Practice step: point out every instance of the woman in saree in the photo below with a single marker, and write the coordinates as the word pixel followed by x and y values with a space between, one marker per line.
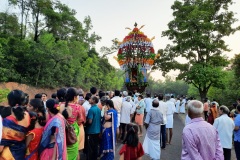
pixel 72 113
pixel 213 113
pixel 107 148
pixel 53 143
pixel 14 130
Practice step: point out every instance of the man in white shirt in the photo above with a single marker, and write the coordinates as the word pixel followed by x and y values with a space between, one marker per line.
pixel 170 112
pixel 225 127
pixel 148 103
pixel 117 102
pixel 86 105
pixel 173 99
pixel 126 115
pixel 163 109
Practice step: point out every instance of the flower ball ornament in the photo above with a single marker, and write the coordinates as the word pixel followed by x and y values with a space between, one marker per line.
pixel 136 49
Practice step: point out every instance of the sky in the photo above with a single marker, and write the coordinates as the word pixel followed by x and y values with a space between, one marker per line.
pixel 111 17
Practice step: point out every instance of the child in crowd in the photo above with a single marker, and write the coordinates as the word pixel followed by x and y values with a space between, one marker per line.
pixel 132 148
pixel 33 138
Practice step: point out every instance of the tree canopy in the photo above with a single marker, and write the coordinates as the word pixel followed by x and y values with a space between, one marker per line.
pixel 197 33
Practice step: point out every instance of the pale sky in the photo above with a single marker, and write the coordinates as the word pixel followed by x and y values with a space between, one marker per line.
pixel 110 17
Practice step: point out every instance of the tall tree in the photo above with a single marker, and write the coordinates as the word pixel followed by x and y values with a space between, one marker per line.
pixel 197 33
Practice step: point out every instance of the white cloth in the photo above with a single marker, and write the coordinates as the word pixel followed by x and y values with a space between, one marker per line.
pixel 117 102
pixel 169 121
pixel 152 148
pixel 182 107
pixel 119 118
pixel 224 126
pixel 163 109
pixel 86 105
pixel 171 107
pixel 126 112
pixel 148 102
pixel 173 100
pixel 177 106
pixel 187 119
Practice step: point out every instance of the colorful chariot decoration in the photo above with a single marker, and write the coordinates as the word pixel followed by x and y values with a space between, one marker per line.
pixel 135 56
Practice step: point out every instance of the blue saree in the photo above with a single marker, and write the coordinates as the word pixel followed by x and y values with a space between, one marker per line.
pixel 107 148
pixel 13 139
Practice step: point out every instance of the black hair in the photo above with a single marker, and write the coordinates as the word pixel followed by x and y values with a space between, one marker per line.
pixel 5 111
pixel 54 95
pixel 61 94
pixel 130 93
pixel 16 99
pixel 103 100
pixel 50 104
pixel 131 138
pixel 141 96
pixel 101 94
pixel 71 93
pixel 37 117
pixel 155 103
pixel 148 95
pixel 44 94
pixel 38 95
pixel 95 99
pixel 116 93
pixel 37 104
pixel 93 90
pixel 88 96
pixel 235 105
pixel 224 109
pixel 110 103
pixel 160 96
pixel 238 108
pixel 26 99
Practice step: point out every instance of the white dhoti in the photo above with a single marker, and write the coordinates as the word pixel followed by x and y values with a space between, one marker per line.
pixel 169 121
pixel 182 108
pixel 152 148
pixel 119 116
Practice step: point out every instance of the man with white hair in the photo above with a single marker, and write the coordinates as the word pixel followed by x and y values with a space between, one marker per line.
pixel 225 127
pixel 126 115
pixel 200 139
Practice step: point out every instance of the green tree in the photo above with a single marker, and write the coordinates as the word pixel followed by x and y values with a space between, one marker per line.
pixel 197 33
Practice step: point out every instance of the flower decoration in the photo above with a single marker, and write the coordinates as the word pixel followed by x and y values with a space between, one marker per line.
pixel 136 48
pixel 57 106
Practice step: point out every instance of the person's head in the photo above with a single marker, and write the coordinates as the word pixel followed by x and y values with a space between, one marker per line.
pixel 238 109
pixel 54 95
pixel 140 97
pixel 128 98
pixel 168 98
pixel 160 97
pixel 172 96
pixel 130 93
pixel 155 103
pixel 16 100
pixel 44 97
pixel 109 104
pixel 39 95
pixel 125 93
pixel 213 104
pixel 195 109
pixel 52 106
pixel 61 94
pixel 35 117
pixel 94 100
pixel 131 138
pixel 93 90
pixel 206 100
pixel 234 105
pixel 116 93
pixel 35 105
pixel 103 100
pixel 232 113
pixel 148 95
pixel 81 99
pixel 88 96
pixel 223 110
pixel 101 94
pixel 71 96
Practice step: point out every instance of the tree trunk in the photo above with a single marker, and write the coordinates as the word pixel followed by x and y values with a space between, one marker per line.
pixel 203 93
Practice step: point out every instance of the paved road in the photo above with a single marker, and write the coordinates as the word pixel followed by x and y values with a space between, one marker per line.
pixel 173 151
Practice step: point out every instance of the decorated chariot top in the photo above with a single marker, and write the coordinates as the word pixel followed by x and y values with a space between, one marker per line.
pixel 136 49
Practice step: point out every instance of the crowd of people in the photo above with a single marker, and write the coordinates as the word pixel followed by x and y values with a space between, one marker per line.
pixel 73 122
